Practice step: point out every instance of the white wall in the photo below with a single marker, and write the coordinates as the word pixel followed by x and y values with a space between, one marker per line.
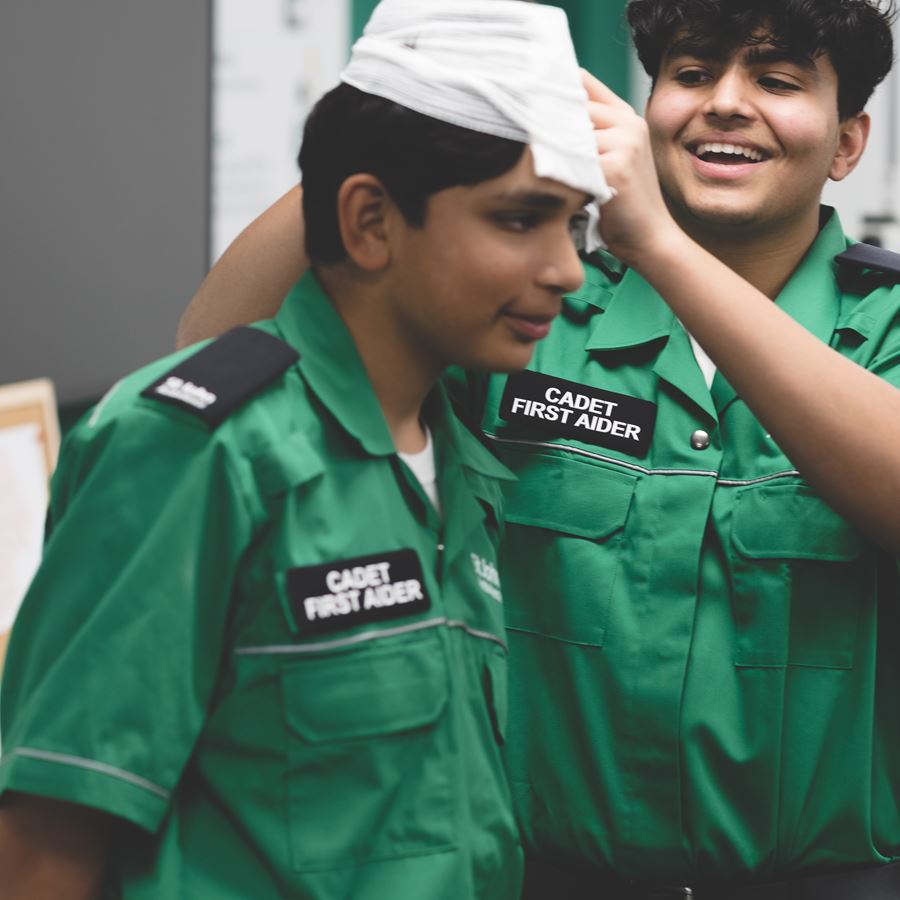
pixel 873 188
pixel 103 196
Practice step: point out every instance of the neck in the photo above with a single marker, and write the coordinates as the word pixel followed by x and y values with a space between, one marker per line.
pixel 766 258
pixel 400 376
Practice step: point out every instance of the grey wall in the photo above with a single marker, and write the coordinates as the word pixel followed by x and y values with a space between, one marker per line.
pixel 103 184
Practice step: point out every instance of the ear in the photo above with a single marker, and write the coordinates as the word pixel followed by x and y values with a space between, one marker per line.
pixel 364 207
pixel 853 137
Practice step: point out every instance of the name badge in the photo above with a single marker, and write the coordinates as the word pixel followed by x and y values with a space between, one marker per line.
pixel 572 410
pixel 350 592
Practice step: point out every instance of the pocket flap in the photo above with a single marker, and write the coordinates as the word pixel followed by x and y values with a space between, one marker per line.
pixel 569 496
pixel 790 522
pixel 366 692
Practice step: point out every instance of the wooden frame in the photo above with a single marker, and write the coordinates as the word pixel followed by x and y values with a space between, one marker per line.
pixel 31 403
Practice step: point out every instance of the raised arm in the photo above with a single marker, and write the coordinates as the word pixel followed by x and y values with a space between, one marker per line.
pixel 837 422
pixel 51 850
pixel 252 277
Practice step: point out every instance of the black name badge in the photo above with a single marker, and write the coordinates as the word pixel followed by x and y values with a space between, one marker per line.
pixel 572 410
pixel 351 592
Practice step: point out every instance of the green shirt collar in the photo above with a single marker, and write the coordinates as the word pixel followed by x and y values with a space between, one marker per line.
pixel 812 296
pixel 331 364
pixel 463 445
pixel 332 367
pixel 636 314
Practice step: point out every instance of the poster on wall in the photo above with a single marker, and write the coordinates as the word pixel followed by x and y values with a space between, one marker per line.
pixel 29 444
pixel 272 59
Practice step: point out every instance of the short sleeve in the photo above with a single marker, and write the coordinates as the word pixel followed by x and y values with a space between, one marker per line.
pixel 868 330
pixel 114 655
pixel 887 363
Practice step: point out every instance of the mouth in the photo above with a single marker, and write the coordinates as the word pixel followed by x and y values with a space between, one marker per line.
pixel 726 154
pixel 529 328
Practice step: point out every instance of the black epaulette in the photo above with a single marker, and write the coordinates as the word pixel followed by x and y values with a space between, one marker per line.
pixel 865 257
pixel 226 373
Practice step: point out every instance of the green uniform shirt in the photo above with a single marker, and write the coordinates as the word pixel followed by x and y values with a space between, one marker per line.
pixel 192 656
pixel 704 673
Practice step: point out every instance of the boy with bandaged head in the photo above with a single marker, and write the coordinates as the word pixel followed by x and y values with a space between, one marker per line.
pixel 265 655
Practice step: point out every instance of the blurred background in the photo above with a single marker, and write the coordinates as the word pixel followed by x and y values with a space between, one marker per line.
pixel 139 138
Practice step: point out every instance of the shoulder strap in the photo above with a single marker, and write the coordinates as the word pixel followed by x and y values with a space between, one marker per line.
pixel 865 256
pixel 224 374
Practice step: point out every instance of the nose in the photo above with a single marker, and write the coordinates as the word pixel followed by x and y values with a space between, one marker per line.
pixel 561 271
pixel 729 97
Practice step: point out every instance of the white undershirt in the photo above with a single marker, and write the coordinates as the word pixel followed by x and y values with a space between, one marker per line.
pixel 707 366
pixel 422 466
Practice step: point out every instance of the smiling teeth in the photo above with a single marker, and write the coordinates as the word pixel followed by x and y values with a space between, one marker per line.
pixel 734 149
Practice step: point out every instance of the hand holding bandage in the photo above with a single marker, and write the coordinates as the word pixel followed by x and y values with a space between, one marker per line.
pixel 637 215
pixel 502 68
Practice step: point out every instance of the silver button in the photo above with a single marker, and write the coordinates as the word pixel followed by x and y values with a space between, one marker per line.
pixel 699 440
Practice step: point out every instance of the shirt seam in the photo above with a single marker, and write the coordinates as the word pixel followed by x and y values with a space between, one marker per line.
pixel 365 637
pixel 634 467
pixel 92 765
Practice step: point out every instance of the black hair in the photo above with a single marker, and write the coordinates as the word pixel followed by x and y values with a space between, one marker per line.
pixel 855 35
pixel 413 155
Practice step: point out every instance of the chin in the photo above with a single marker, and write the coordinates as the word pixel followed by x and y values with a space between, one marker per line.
pixel 722 215
pixel 502 363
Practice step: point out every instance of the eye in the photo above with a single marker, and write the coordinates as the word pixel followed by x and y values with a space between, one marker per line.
pixel 771 83
pixel 578 226
pixel 580 219
pixel 518 221
pixel 691 77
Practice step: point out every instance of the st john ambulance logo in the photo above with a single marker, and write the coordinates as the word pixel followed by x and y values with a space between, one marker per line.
pixel 488 577
pixel 588 414
pixel 186 392
pixel 350 592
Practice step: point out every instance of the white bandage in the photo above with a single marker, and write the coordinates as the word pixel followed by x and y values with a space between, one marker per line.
pixel 501 67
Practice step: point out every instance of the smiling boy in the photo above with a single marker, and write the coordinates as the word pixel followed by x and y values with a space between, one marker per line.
pixel 703 623
pixel 264 653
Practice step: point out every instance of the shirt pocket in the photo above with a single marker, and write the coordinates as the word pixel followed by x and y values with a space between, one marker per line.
pixel 369 754
pixel 565 523
pixel 801 579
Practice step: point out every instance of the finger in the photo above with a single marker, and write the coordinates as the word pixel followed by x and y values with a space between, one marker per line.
pixel 604 116
pixel 600 93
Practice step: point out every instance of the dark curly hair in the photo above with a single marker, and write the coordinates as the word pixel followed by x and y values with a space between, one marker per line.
pixel 854 34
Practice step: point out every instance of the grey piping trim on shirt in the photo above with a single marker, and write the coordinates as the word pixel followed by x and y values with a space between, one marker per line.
pixel 92 764
pixel 481 635
pixel 731 482
pixel 98 409
pixel 725 482
pixel 365 636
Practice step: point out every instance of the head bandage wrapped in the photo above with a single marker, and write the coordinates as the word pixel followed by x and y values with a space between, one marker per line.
pixel 501 67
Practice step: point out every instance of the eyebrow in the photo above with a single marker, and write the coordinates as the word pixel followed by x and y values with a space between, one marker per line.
pixel 756 55
pixel 537 199
pixel 532 199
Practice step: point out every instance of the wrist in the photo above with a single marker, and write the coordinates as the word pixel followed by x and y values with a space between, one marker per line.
pixel 660 251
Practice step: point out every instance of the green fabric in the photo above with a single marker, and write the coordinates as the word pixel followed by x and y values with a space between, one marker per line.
pixel 601 39
pixel 361 12
pixel 740 724
pixel 157 671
